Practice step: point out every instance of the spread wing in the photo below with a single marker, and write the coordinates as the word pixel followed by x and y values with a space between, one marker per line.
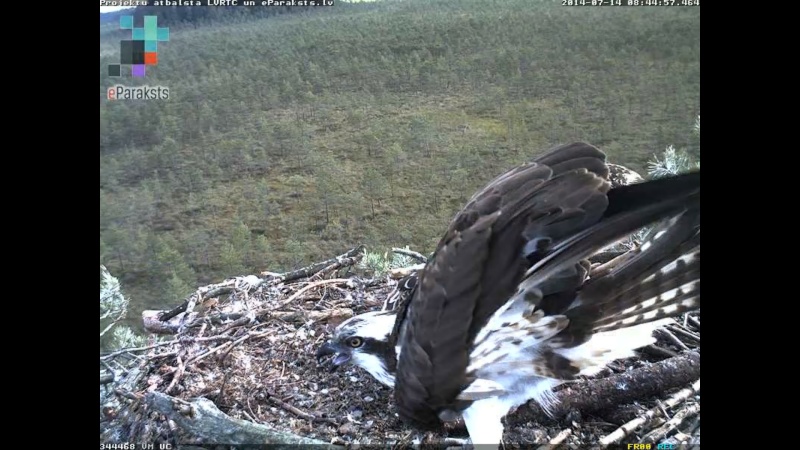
pixel 535 222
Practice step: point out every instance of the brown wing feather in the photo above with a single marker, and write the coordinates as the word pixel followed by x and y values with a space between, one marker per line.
pixel 537 222
pixel 478 265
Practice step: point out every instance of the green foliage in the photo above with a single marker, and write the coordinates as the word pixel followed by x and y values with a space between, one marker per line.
pixel 125 337
pixel 176 289
pixel 368 123
pixel 378 264
pixel 113 308
pixel 672 161
pixel 113 304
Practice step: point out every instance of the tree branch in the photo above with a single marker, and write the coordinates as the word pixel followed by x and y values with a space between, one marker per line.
pixel 207 425
pixel 595 395
pixel 418 256
pixel 252 282
pixel 352 256
pixel 629 427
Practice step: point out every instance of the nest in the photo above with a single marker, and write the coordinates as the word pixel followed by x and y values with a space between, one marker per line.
pixel 241 369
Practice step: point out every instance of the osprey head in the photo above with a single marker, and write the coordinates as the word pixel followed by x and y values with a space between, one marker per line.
pixel 364 340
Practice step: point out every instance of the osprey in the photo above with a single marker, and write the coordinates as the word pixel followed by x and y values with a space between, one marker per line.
pixel 509 305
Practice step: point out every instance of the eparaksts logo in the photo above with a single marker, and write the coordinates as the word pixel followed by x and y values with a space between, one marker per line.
pixel 120 92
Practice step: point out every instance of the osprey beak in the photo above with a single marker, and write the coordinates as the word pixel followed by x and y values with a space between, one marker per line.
pixel 331 349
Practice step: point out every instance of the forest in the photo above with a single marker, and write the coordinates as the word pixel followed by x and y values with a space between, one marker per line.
pixel 294 135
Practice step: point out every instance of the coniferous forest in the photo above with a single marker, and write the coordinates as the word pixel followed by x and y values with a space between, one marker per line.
pixel 290 137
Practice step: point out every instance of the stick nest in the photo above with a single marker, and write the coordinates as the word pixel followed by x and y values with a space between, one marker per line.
pixel 248 346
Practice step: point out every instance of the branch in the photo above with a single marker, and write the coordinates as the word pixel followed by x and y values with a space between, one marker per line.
pixel 396 274
pixel 629 427
pixel 350 257
pixel 245 283
pixel 135 349
pixel 120 316
pixel 560 437
pixel 161 344
pixel 106 378
pixel 252 282
pixel 207 425
pixel 595 395
pixel 309 287
pixel 659 433
pixel 418 256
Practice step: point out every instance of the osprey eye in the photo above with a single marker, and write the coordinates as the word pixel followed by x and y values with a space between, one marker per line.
pixel 355 342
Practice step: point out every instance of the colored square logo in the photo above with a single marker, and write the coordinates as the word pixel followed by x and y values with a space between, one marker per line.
pixel 142 48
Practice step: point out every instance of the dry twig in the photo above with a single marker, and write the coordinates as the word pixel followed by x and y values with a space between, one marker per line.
pixel 629 427
pixel 557 440
pixel 177 376
pixel 396 274
pixel 416 255
pixel 677 329
pixel 662 431
pixel 353 255
pixel 671 337
pixel 309 287
pixel 272 398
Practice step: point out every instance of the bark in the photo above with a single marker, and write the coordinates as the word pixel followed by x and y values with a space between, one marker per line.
pixel 207 425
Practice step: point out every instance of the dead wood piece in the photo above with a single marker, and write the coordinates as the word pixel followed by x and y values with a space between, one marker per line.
pixel 218 319
pixel 153 322
pixel 396 274
pixel 244 283
pixel 106 378
pixel 272 398
pixel 352 256
pixel 250 334
pixel 135 349
pixel 177 376
pixel 344 262
pixel 416 255
pixel 126 394
pixel 594 395
pixel 631 426
pixel 658 351
pixel 677 329
pixel 560 437
pixel 207 425
pixel 251 282
pixel 309 287
pixel 672 338
pixel 301 316
pixel 662 431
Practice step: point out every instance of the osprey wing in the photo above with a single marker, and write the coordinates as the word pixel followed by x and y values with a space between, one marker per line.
pixel 479 263
pixel 520 243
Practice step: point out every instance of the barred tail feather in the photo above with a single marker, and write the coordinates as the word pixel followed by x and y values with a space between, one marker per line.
pixel 659 279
